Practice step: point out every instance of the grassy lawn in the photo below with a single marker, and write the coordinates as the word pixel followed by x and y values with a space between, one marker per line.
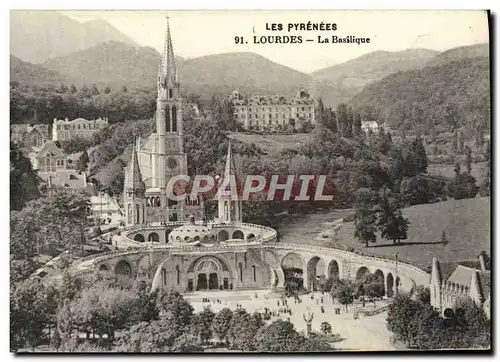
pixel 273 142
pixel 465 222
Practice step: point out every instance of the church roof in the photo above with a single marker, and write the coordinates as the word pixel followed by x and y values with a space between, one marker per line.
pixel 133 177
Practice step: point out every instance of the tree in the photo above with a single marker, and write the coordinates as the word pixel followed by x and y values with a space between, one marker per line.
pixel 124 89
pixel 242 331
pixel 281 336
pixel 62 88
pixel 107 90
pixel 93 90
pixel 221 324
pixel 205 319
pixel 415 190
pixel 460 143
pixel 72 89
pixel 365 216
pixel 23 180
pixel 344 291
pixel 326 328
pixel 342 120
pixel 454 143
pixel 83 162
pixel 463 187
pixel 391 223
pixel 473 322
pixel 468 159
pixel 423 294
pixel 357 126
pixel 173 303
pixel 28 314
pixel 400 317
pixel 484 189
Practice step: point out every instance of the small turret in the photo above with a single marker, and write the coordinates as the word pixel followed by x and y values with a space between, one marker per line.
pixel 435 284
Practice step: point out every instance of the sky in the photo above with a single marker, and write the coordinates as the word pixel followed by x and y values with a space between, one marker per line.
pixel 199 33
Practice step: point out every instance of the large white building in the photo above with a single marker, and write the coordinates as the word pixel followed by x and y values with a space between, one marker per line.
pixel 64 129
pixel 261 112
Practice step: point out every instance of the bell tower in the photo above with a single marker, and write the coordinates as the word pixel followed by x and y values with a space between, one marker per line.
pixel 168 157
pixel 229 203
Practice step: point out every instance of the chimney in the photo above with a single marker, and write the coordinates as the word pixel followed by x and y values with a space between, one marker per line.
pixel 482 263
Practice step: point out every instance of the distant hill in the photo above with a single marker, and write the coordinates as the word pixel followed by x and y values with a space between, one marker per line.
pixel 24 72
pixel 117 64
pixel 470 51
pixel 36 36
pixel 448 96
pixel 112 63
pixel 340 82
pixel 248 72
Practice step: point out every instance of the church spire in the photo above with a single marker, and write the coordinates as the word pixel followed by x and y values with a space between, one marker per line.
pixel 230 165
pixel 133 178
pixel 168 70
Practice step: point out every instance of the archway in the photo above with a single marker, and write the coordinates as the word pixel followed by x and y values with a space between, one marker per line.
pixel 202 282
pixel 378 278
pixel 250 236
pixel 213 281
pixel 398 285
pixel 390 285
pixel 293 270
pixel 315 273
pixel 123 267
pixel 167 234
pixel 333 270
pixel 103 268
pixel 448 313
pixel 154 237
pixel 223 235
pixel 362 273
pixel 238 235
pixel 139 238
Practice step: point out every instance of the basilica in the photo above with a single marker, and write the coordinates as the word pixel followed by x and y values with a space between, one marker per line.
pixel 160 157
pixel 186 252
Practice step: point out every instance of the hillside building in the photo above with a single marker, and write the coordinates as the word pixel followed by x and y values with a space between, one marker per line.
pixel 261 112
pixel 29 136
pixel 463 282
pixel 63 130
pixel 106 209
pixel 161 156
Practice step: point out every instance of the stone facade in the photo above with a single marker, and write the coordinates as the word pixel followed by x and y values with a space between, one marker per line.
pixel 63 130
pixel 263 112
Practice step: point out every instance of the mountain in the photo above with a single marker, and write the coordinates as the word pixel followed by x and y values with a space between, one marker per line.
pixel 470 51
pixel 247 72
pixel 443 97
pixel 112 63
pixel 24 72
pixel 117 64
pixel 36 36
pixel 340 82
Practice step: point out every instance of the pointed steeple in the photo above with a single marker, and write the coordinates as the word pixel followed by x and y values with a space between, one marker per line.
pixel 168 70
pixel 436 277
pixel 475 291
pixel 133 178
pixel 230 165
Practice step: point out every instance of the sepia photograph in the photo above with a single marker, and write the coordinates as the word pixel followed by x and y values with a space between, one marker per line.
pixel 250 181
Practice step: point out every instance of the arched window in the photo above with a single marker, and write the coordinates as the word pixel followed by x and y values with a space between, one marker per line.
pixel 240 267
pixel 167 118
pixel 178 274
pixel 254 273
pixel 137 214
pixel 164 276
pixel 174 118
pixel 158 202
